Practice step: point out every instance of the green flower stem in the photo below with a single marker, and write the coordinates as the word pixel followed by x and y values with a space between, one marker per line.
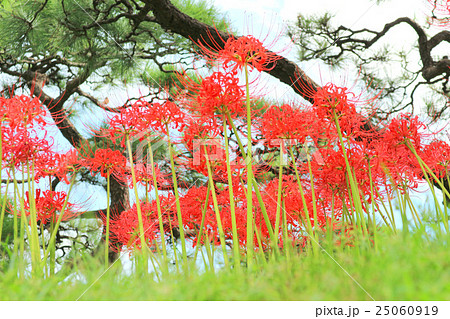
pixel 255 184
pixel 7 183
pixel 52 261
pixel 34 240
pixel 25 223
pixel 390 212
pixel 313 197
pixel 177 201
pixel 415 215
pixel 286 241
pixel 261 256
pixel 138 206
pixel 372 198
pixel 248 161
pixel 15 220
pixel 52 240
pixel 209 253
pixel 305 207
pixel 158 205
pixel 236 253
pixel 202 224
pixel 402 209
pixel 23 229
pixel 427 170
pixel 279 194
pixel 108 191
pixel 353 185
pixel 4 201
pixel 172 238
pixel 216 210
pixel 386 222
pixel 332 220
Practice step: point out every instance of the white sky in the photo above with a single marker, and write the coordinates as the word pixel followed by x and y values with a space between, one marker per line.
pixel 353 13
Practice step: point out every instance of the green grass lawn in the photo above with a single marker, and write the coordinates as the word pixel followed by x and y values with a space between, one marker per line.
pixel 404 267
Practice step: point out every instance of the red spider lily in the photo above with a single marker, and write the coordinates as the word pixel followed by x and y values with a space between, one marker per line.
pixel 107 162
pixel 333 101
pixel 396 159
pixel 124 229
pixel 21 111
pixel 129 122
pixel 330 174
pixel 437 157
pixel 49 204
pixel 69 163
pixel 287 122
pixel 331 98
pixel 403 129
pixel 144 176
pixel 199 135
pixel 21 148
pixel 142 117
pixel 168 114
pixel 219 93
pixel 46 164
pixel 245 50
pixel 192 205
pixel 199 132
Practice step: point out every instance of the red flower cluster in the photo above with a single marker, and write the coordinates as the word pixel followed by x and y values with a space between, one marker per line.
pixel 125 228
pixel 437 156
pixel 219 93
pixel 106 162
pixel 246 50
pixel 26 149
pixel 49 205
pixel 143 117
pixel 287 122
pixel 21 111
pixel 377 160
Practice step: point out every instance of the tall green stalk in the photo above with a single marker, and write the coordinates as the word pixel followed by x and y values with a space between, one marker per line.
pixel 202 224
pixel 286 241
pixel 15 216
pixel 372 199
pixel 310 230
pixel 354 195
pixel 158 205
pixel 177 201
pixel 216 210
pixel 3 209
pixel 52 240
pixel 236 253
pixel 6 192
pixel 138 206
pixel 426 170
pixel 34 239
pixel 313 197
pixel 108 191
pixel 262 206
pixel 248 161
pixel 279 194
